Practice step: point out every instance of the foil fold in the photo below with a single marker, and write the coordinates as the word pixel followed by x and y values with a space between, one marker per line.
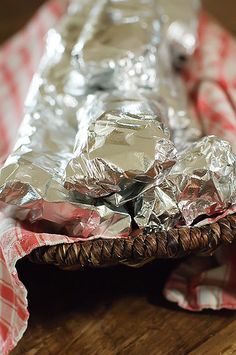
pixel 31 181
pixel 118 46
pixel 121 141
pixel 201 184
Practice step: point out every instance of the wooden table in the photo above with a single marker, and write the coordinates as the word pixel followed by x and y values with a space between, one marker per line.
pixel 117 310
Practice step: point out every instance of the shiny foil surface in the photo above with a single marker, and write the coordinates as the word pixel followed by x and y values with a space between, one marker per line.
pixel 32 178
pixel 180 24
pixel 120 142
pixel 201 183
pixel 118 46
pixel 108 142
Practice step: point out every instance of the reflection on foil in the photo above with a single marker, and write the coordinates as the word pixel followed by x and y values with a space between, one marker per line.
pixel 31 181
pixel 120 141
pixel 118 46
pixel 180 22
pixel 205 178
pixel 201 183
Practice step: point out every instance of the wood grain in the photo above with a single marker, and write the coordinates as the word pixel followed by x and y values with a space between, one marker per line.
pixel 110 311
pixel 224 342
pixel 118 311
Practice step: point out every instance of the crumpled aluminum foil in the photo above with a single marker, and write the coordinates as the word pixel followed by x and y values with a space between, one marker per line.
pixel 120 142
pixel 107 58
pixel 132 154
pixel 204 178
pixel 31 182
pixel 118 46
pixel 202 183
pixel 182 121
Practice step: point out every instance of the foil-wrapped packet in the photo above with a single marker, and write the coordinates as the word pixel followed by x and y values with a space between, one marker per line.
pixel 93 163
pixel 121 141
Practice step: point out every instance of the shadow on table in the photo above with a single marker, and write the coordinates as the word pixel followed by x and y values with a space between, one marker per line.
pixel 52 291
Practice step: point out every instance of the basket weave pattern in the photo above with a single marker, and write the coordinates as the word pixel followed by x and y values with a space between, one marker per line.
pixel 174 243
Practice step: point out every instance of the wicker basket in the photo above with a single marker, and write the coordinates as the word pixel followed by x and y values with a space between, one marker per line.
pixel 140 249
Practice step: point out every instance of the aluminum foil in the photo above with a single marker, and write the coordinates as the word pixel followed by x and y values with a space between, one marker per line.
pixel 130 154
pixel 204 178
pixel 180 23
pixel 125 46
pixel 118 47
pixel 201 184
pixel 182 120
pixel 120 142
pixel 97 170
pixel 31 185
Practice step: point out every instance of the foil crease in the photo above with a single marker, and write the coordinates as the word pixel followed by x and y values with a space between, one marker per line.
pixel 201 184
pixel 204 178
pixel 107 57
pixel 31 182
pixel 120 142
pixel 182 120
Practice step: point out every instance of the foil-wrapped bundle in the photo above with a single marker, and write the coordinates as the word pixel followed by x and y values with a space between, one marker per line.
pixel 31 183
pixel 120 142
pixel 94 163
pixel 125 46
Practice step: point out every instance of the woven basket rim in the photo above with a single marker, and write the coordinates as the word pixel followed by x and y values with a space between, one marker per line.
pixel 175 243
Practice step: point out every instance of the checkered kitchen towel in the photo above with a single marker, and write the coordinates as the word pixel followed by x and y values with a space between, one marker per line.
pixel 211 79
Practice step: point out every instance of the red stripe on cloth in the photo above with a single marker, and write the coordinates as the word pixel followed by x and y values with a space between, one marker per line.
pixel 28 241
pixel 6 292
pixel 4 331
pixel 213 116
pixel 203 21
pixel 223 54
pixel 18 237
pixel 22 313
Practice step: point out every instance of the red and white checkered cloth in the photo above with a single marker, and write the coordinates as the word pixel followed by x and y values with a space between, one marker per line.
pixel 211 79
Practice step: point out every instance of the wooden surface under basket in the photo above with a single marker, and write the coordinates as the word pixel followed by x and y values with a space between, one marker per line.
pixel 174 243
